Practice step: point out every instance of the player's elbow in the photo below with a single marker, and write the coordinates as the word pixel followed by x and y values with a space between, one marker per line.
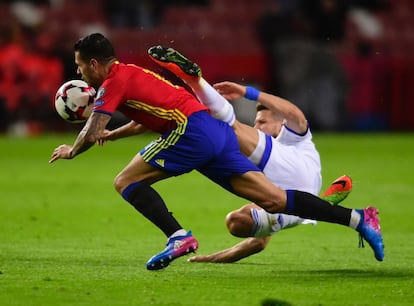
pixel 258 244
pixel 91 139
pixel 88 136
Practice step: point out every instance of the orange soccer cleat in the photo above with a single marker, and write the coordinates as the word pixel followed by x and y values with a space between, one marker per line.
pixel 175 62
pixel 339 190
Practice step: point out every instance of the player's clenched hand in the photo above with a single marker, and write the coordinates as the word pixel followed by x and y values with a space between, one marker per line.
pixel 61 152
pixel 106 135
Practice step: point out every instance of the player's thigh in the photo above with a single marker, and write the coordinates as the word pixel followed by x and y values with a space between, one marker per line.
pixel 138 171
pixel 254 186
pixel 247 136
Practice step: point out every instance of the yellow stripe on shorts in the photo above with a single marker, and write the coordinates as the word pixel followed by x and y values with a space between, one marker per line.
pixel 166 114
pixel 165 143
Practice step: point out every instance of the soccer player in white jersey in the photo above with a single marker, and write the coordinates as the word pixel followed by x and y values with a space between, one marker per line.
pixel 280 144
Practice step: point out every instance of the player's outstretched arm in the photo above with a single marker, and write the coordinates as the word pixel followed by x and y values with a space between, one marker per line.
pixel 91 132
pixel 294 117
pixel 129 129
pixel 239 251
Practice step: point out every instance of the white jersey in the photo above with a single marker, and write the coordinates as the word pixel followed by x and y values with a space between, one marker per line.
pixel 290 160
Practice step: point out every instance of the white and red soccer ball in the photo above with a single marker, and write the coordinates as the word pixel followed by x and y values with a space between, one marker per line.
pixel 74 101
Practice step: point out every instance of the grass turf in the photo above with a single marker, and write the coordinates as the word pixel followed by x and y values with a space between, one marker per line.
pixel 67 238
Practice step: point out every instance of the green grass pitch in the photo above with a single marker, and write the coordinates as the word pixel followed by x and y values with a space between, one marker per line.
pixel 67 238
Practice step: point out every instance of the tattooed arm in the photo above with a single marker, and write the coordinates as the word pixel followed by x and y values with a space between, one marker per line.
pixel 92 131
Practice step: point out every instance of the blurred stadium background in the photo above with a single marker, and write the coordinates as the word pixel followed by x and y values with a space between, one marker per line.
pixel 348 64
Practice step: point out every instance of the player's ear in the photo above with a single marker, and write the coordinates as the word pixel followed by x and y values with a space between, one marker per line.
pixel 94 63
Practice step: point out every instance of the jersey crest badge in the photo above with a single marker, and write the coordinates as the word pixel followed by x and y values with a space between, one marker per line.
pixel 100 93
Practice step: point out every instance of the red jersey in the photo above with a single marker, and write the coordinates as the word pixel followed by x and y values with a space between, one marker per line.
pixel 145 97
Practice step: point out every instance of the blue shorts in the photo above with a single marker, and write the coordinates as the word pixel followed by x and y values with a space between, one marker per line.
pixel 201 143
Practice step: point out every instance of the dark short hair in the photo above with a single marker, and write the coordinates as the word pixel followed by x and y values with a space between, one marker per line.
pixel 260 107
pixel 95 46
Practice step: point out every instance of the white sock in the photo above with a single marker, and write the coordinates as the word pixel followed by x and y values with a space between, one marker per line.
pixel 220 108
pixel 180 232
pixel 288 221
pixel 355 219
pixel 265 224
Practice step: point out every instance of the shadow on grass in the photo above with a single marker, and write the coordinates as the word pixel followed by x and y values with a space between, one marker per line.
pixel 368 272
pixel 362 273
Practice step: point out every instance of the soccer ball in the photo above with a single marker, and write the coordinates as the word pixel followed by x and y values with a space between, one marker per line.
pixel 74 101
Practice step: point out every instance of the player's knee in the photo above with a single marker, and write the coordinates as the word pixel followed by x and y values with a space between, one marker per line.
pixel 238 224
pixel 120 183
pixel 276 203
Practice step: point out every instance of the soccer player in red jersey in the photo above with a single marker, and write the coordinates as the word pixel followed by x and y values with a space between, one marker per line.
pixel 191 139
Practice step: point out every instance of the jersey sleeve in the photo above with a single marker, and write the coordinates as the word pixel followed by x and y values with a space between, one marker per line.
pixel 109 96
pixel 288 136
